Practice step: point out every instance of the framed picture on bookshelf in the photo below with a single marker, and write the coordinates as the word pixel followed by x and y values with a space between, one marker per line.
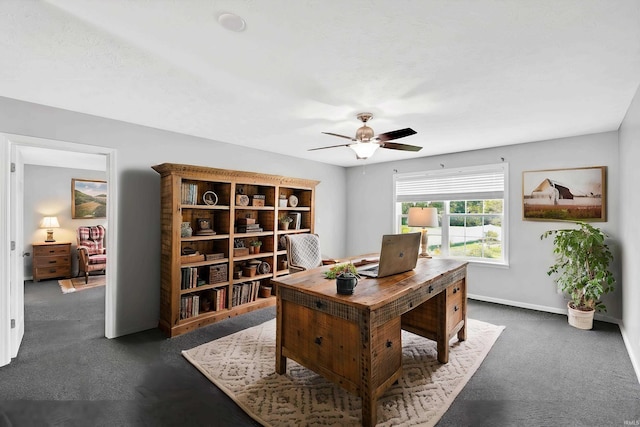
pixel 297 219
pixel 88 198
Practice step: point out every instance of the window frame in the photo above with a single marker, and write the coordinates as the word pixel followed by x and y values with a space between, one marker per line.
pixel 466 196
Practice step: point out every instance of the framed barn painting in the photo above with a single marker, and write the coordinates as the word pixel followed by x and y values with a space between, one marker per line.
pixel 88 199
pixel 577 194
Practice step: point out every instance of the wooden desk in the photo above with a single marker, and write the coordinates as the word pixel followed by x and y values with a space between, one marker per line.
pixel 355 340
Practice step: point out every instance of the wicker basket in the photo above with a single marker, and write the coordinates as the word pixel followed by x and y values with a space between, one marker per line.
pixel 218 273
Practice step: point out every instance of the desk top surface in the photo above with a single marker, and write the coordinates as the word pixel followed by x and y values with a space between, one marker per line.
pixel 371 292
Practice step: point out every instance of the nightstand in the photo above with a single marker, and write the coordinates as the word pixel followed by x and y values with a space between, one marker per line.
pixel 51 259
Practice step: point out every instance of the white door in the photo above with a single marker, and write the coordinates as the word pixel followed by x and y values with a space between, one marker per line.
pixel 17 253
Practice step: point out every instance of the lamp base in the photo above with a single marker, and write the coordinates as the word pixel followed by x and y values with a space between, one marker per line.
pixel 423 244
pixel 49 236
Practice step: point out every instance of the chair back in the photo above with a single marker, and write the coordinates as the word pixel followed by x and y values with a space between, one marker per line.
pixel 303 251
pixel 92 237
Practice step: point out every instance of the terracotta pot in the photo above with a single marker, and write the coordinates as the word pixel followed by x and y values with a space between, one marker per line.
pixel 580 319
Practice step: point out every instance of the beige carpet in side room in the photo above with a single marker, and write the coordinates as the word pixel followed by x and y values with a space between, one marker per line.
pixel 243 366
pixel 77 284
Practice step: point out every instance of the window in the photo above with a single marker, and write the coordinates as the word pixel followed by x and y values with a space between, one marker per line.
pixel 471 204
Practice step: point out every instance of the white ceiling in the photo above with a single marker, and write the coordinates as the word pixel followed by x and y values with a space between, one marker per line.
pixel 463 74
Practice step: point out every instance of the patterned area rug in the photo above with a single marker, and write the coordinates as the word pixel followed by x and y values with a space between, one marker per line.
pixel 76 284
pixel 243 366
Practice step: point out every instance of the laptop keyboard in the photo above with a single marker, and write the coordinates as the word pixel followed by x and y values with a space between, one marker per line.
pixel 373 269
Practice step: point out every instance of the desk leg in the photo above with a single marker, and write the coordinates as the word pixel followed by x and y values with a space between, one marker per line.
pixel 369 401
pixel 442 334
pixel 281 362
pixel 462 333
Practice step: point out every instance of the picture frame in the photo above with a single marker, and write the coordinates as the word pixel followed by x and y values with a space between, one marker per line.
pixel 574 194
pixel 88 198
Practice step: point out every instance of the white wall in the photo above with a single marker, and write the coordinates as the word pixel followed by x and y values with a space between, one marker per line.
pixel 48 193
pixel 139 148
pixel 630 228
pixel 525 283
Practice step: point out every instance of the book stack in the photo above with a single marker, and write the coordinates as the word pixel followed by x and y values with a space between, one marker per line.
pixel 189 306
pixel 219 299
pixel 247 225
pixel 189 194
pixel 190 278
pixel 245 292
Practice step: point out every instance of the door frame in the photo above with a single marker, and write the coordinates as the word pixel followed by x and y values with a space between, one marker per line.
pixel 9 142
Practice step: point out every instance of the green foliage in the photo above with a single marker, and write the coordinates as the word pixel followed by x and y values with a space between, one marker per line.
pixel 582 265
pixel 341 268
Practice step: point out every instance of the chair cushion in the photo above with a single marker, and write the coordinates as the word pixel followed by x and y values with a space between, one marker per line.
pixel 97 259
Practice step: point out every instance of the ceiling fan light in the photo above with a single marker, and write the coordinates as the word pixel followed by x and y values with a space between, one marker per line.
pixel 365 133
pixel 364 150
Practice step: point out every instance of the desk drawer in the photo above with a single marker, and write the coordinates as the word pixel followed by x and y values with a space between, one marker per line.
pixel 322 342
pixel 455 294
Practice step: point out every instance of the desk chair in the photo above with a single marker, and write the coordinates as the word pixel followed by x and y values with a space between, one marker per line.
pixel 303 252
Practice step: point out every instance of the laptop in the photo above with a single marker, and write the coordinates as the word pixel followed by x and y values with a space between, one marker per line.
pixel 399 253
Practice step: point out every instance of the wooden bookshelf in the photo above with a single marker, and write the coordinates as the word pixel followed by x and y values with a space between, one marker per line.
pixel 198 270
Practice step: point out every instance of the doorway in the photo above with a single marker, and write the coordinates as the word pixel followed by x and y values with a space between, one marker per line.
pixel 23 150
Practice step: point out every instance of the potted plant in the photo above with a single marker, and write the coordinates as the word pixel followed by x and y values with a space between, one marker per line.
pixel 284 221
pixel 582 270
pixel 254 246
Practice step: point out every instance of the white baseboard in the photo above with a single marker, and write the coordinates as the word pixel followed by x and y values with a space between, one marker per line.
pixel 536 307
pixel 635 360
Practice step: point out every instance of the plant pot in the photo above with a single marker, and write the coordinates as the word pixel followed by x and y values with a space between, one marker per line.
pixel 580 319
pixel 284 225
pixel 265 291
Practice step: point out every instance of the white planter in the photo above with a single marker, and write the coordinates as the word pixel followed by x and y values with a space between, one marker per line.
pixel 580 319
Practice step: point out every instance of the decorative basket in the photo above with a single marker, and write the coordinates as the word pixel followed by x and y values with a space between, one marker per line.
pixel 218 273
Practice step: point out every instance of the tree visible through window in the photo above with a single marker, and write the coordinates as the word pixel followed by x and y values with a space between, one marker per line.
pixel 471 228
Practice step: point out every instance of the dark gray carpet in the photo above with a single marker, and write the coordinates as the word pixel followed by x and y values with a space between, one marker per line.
pixel 541 372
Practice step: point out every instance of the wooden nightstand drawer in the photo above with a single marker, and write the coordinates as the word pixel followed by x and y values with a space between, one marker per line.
pixel 51 260
pixel 51 250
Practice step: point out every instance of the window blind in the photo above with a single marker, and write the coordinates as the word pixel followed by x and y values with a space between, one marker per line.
pixel 475 183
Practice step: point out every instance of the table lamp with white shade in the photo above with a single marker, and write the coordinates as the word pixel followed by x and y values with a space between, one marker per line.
pixel 49 222
pixel 423 217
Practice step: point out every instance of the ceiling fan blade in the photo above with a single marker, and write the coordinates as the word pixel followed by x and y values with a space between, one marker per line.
pixel 397 146
pixel 331 146
pixel 395 134
pixel 340 136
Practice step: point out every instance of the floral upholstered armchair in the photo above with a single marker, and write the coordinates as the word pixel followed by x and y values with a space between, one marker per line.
pixel 92 255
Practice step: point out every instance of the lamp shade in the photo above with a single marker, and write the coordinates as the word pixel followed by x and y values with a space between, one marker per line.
pixel 364 150
pixel 49 222
pixel 423 217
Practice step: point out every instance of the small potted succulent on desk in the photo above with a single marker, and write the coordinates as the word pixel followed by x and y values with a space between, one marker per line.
pixel 284 221
pixel 346 276
pixel 582 270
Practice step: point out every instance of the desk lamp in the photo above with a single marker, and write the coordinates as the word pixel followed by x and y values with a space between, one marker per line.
pixel 423 217
pixel 49 222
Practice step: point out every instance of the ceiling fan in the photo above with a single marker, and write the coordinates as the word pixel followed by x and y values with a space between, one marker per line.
pixel 365 143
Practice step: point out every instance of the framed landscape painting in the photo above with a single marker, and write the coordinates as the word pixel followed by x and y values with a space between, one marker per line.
pixel 577 194
pixel 88 199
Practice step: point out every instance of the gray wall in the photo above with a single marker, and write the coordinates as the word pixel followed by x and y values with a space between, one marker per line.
pixel 139 148
pixel 630 227
pixel 525 283
pixel 48 192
